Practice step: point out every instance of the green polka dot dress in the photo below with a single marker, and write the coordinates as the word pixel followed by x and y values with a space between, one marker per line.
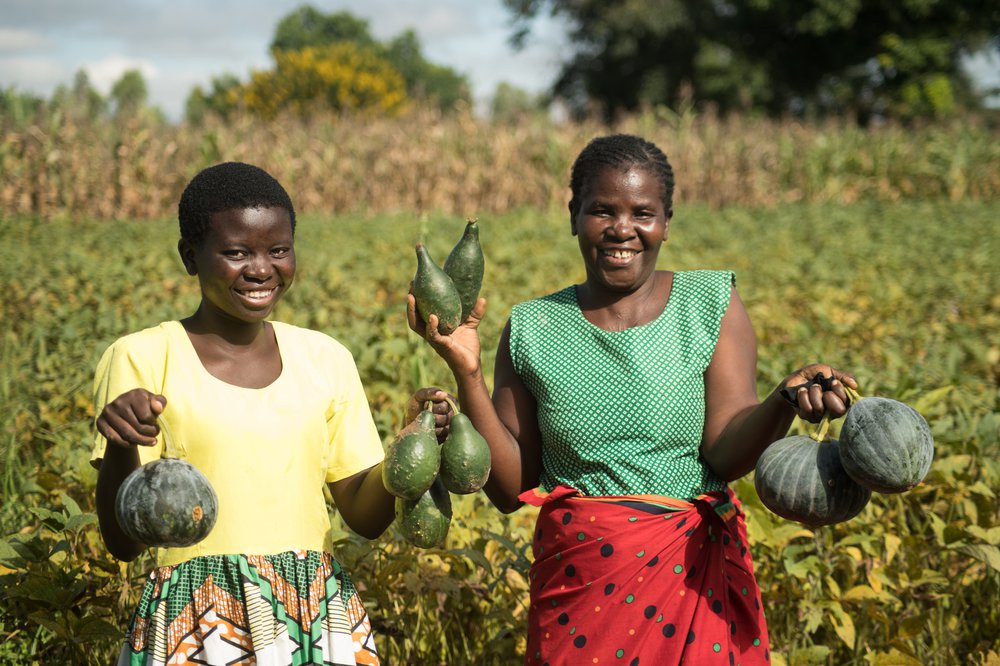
pixel 622 412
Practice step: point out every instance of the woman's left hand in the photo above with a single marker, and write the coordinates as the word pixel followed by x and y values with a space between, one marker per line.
pixel 813 400
pixel 438 399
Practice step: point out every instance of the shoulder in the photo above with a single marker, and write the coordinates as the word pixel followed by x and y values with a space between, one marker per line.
pixel 309 342
pixel 151 341
pixel 706 278
pixel 554 301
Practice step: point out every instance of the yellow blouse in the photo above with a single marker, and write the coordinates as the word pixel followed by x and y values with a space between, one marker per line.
pixel 268 451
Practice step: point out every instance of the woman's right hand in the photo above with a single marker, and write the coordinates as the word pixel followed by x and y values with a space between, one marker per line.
pixel 461 348
pixel 130 419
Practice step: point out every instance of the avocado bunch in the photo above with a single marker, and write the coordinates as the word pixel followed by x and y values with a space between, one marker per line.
pixel 451 292
pixel 422 474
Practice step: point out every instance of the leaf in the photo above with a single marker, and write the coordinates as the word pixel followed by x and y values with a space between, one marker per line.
pixel 477 558
pixel 813 655
pixel 860 593
pixel 90 628
pixel 895 658
pixel 842 624
pixel 924 403
pixel 984 553
pixel 990 536
pixel 70 504
pixel 804 567
pixel 892 544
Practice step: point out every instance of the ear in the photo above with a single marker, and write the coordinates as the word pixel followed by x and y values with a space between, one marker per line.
pixel 186 250
pixel 572 220
pixel 666 225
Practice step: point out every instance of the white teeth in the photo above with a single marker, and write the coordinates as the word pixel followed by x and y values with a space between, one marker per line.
pixel 258 294
pixel 620 254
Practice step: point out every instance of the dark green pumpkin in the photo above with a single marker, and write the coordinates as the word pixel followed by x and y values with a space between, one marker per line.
pixel 465 457
pixel 886 445
pixel 424 522
pixel 435 293
pixel 412 459
pixel 167 503
pixel 801 479
pixel 465 265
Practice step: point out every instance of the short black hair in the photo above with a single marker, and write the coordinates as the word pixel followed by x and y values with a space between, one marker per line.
pixel 620 151
pixel 226 186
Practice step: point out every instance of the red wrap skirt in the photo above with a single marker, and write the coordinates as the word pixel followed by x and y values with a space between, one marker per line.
pixel 643 581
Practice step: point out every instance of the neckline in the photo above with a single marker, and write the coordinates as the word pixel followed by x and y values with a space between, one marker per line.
pixel 181 332
pixel 663 313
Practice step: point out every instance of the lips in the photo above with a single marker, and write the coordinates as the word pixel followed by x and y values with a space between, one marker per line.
pixel 256 296
pixel 618 256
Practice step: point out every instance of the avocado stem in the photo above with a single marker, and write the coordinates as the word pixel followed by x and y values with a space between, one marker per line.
pixel 451 403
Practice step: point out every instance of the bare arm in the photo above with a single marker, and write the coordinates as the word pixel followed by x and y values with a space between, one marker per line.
pixel 507 420
pixel 364 503
pixel 126 422
pixel 738 426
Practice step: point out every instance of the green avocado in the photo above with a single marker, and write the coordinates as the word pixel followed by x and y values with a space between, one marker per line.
pixel 465 457
pixel 435 293
pixel 412 459
pixel 424 522
pixel 465 265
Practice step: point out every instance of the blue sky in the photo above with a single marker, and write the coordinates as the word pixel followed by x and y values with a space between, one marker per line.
pixel 183 43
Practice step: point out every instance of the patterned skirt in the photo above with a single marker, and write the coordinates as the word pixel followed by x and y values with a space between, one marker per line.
pixel 642 581
pixel 293 608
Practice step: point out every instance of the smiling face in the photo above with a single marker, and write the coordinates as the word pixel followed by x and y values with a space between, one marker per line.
pixel 244 264
pixel 620 223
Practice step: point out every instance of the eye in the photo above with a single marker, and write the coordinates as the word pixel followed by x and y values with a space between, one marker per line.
pixel 234 254
pixel 280 251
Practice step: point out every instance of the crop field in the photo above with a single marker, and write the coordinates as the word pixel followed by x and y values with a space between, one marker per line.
pixel 906 295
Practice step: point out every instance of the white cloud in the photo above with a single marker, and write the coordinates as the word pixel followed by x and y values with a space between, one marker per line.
pixel 105 72
pixel 184 43
pixel 36 74
pixel 12 39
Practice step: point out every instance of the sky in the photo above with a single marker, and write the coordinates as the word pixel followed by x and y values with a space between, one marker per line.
pixel 183 43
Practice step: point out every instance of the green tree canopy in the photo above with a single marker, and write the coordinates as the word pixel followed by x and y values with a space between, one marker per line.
pixel 308 26
pixel 129 93
pixel 866 57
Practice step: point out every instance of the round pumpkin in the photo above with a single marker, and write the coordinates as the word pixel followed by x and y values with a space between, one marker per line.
pixel 803 480
pixel 167 503
pixel 886 445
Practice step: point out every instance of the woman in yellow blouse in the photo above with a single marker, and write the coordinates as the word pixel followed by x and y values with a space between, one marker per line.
pixel 269 412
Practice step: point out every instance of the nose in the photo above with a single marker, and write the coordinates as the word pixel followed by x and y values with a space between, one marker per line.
pixel 622 227
pixel 258 268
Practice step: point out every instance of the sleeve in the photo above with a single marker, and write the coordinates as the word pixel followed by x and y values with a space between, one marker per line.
pixel 716 290
pixel 121 369
pixel 354 442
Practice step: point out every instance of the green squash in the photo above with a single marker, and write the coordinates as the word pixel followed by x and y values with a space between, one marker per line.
pixel 886 445
pixel 465 457
pixel 465 266
pixel 435 293
pixel 167 503
pixel 424 522
pixel 412 459
pixel 801 479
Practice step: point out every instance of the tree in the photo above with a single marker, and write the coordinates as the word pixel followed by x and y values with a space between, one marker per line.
pixel 129 93
pixel 222 99
pixel 80 100
pixel 866 57
pixel 511 103
pixel 307 26
pixel 342 76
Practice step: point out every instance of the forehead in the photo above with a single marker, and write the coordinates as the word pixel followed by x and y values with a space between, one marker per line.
pixel 631 180
pixel 259 222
